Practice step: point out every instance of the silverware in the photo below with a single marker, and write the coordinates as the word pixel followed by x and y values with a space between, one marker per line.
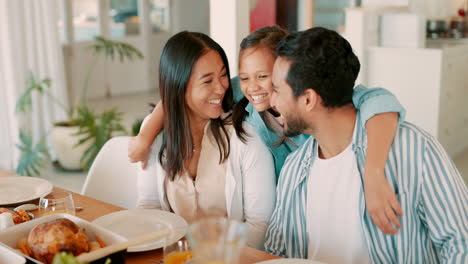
pixel 26 207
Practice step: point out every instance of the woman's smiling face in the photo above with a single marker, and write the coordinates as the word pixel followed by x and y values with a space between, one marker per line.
pixel 206 87
pixel 255 70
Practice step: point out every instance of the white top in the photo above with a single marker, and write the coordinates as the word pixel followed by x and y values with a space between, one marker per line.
pixel 249 188
pixel 202 197
pixel 333 216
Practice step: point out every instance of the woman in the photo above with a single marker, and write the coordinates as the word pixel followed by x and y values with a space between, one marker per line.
pixel 256 57
pixel 200 166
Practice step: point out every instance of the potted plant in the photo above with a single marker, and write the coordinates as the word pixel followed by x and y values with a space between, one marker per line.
pixel 75 141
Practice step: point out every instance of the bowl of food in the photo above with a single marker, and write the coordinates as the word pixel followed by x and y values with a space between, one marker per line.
pixel 9 218
pixel 43 238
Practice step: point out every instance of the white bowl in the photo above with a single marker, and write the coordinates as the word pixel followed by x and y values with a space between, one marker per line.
pixel 12 235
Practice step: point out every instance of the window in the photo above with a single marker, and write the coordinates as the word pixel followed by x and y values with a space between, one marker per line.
pixel 159 15
pixel 118 18
pixel 61 22
pixel 124 19
pixel 85 19
pixel 330 14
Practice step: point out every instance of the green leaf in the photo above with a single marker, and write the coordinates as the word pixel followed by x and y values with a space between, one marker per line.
pixel 65 258
pixel 96 130
pixel 24 103
pixel 33 156
pixel 47 82
pixel 110 47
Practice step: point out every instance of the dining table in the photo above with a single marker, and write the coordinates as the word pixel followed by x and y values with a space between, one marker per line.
pixel 93 208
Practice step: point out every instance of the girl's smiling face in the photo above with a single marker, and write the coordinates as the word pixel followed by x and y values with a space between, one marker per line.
pixel 255 70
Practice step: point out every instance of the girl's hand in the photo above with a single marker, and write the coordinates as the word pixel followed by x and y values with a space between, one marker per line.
pixel 381 202
pixel 138 151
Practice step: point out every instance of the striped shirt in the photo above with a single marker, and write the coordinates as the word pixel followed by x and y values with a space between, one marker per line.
pixel 430 190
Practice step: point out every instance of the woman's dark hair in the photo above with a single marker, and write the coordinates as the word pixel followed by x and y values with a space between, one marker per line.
pixel 265 37
pixel 322 60
pixel 178 58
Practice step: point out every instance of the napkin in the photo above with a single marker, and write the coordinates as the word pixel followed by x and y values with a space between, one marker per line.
pixel 6 220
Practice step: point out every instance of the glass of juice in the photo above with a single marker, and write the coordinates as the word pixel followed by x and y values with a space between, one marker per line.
pixel 177 253
pixel 57 202
pixel 217 240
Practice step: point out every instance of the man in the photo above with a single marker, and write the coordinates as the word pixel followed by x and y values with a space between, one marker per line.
pixel 320 211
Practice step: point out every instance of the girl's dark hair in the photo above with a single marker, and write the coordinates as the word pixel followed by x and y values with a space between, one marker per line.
pixel 265 37
pixel 178 58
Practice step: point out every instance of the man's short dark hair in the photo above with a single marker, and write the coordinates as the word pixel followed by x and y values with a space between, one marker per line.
pixel 323 61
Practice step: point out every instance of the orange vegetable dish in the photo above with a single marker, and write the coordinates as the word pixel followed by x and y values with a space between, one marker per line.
pixel 18 217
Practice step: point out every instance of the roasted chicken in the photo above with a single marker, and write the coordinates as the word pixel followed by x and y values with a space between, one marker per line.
pixel 47 239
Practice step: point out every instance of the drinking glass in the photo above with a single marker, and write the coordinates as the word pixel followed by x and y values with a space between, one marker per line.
pixel 177 253
pixel 217 240
pixel 57 202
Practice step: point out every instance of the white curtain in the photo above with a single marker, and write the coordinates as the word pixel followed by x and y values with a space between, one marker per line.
pixel 29 42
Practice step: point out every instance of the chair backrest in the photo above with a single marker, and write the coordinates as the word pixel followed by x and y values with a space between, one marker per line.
pixel 112 178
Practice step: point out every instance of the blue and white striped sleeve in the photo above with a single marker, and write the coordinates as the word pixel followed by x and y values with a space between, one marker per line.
pixel 373 101
pixel 444 200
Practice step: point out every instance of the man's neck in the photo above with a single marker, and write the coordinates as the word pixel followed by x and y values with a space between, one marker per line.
pixel 333 130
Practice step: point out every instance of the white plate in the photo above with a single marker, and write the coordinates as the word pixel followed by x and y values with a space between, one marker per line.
pixel 136 222
pixel 20 189
pixel 290 261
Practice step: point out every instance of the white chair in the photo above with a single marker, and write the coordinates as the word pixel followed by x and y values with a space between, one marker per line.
pixel 112 178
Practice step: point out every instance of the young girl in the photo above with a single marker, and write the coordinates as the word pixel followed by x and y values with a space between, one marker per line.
pixel 200 166
pixel 257 56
